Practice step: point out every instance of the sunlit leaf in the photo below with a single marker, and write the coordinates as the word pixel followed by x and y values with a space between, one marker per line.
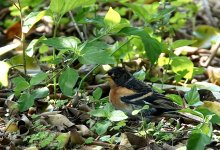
pixel 31 19
pixel 206 35
pixel 59 43
pixel 153 48
pixel 180 43
pixel 182 66
pixel 118 115
pixel 4 73
pixel 112 17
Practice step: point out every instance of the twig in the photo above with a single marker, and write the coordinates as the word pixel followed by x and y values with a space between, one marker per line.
pixel 213 50
pixel 76 26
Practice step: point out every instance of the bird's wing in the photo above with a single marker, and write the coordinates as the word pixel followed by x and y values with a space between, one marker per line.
pixel 153 99
pixel 137 86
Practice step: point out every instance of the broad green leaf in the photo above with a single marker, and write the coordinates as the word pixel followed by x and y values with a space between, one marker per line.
pixel 31 19
pixel 30 62
pixel 67 81
pixel 118 115
pixel 112 17
pixel 97 93
pixel 25 101
pixel 153 48
pixel 182 66
pixel 206 35
pixel 175 98
pixel 59 43
pixel 4 73
pixel 20 85
pixel 198 141
pixel 102 127
pixel 56 6
pixel 93 53
pixel 63 6
pixel 192 97
pixel 180 43
pixel 40 92
pixel 38 78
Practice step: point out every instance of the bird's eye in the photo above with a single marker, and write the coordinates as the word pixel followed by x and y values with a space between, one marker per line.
pixel 113 75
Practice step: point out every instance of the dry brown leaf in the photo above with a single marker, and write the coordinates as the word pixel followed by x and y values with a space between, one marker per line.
pixel 59 121
pixel 11 127
pixel 214 74
pixel 212 106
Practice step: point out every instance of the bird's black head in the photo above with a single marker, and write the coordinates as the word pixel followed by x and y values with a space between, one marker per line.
pixel 119 75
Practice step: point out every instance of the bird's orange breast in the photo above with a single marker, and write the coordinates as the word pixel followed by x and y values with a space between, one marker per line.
pixel 115 98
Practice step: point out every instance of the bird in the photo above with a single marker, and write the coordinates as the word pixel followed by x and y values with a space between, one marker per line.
pixel 126 92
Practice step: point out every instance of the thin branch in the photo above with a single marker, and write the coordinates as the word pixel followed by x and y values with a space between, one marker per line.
pixel 76 26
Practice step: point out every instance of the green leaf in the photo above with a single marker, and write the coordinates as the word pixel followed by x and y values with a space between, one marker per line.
pixel 215 119
pixel 117 115
pixel 139 10
pixel 89 140
pixel 56 6
pixel 38 78
pixel 182 66
pixel 4 73
pixel 20 85
pixel 40 92
pixel 97 93
pixel 180 43
pixel 198 141
pixel 192 97
pixel 67 81
pixel 206 35
pixel 135 112
pixel 175 98
pixel 112 17
pixel 25 101
pixel 153 48
pixel 140 75
pixel 63 6
pixel 102 127
pixel 103 112
pixel 93 53
pixel 32 46
pixel 193 112
pixel 98 113
pixel 31 19
pixel 30 62
pixel 59 43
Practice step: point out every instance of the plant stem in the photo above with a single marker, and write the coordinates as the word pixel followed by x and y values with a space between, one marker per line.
pixel 80 84
pixel 22 37
pixel 54 57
